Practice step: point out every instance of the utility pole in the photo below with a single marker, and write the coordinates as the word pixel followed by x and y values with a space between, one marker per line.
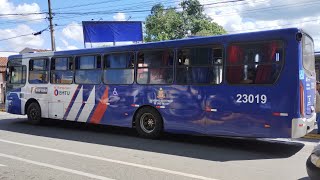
pixel 53 44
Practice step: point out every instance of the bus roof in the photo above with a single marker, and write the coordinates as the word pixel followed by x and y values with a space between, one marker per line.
pixel 219 39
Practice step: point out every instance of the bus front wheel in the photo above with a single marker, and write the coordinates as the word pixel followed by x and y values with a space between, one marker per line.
pixel 149 123
pixel 34 113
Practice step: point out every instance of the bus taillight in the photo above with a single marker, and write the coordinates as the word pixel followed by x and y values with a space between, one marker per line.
pixel 301 99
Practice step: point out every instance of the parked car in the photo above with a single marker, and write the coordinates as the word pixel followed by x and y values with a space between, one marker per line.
pixel 313 164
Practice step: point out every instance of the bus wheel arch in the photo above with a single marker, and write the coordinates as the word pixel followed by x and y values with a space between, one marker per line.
pixel 153 122
pixel 33 111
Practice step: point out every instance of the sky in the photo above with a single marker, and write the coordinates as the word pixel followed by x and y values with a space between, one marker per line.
pixel 236 17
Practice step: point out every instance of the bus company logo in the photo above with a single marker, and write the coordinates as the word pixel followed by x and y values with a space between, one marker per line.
pixel 161 94
pixel 58 92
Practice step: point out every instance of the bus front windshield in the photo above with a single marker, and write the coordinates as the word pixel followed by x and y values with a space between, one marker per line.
pixel 16 75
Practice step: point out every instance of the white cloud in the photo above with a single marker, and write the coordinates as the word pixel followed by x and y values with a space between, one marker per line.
pixel 17 44
pixel 6 54
pixel 67 46
pixel 255 15
pixel 7 7
pixel 73 31
pixel 119 17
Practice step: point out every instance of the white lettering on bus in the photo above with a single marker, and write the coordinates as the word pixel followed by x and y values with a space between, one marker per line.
pixel 250 98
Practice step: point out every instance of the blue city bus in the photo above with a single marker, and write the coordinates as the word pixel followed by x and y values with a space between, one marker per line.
pixel 258 84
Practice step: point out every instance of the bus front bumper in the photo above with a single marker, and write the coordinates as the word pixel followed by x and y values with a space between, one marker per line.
pixel 302 126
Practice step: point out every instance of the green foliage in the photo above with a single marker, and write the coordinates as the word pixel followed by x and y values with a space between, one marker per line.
pixel 171 23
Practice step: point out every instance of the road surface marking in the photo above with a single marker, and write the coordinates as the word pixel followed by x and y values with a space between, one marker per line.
pixel 56 167
pixel 1 165
pixel 111 160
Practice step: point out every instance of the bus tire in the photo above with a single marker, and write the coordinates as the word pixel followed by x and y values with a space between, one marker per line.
pixel 34 113
pixel 149 123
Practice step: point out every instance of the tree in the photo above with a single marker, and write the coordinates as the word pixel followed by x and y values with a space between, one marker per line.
pixel 163 24
pixel 170 23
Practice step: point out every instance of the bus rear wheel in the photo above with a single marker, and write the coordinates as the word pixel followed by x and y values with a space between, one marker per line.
pixel 149 123
pixel 34 113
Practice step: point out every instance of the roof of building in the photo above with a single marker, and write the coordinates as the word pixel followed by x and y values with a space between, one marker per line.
pixel 3 63
pixel 31 50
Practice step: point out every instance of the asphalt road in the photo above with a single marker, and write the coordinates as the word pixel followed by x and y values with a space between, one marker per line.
pixel 66 150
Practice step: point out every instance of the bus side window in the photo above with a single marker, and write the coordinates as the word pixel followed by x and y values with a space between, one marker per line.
pixel 61 70
pixel 254 63
pixel 155 67
pixel 119 68
pixel 88 69
pixel 199 65
pixel 38 71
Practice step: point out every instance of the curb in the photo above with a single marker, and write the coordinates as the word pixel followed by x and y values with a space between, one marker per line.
pixel 312 136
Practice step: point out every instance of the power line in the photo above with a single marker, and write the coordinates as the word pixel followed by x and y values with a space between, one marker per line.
pixel 22 14
pixel 16 37
pixel 29 34
pixel 131 5
pixel 25 21
pixel 147 10
pixel 81 5
pixel 135 11
pixel 137 5
pixel 79 14
pixel 270 8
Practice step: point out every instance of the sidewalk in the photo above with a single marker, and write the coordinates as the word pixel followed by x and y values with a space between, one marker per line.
pixel 313 134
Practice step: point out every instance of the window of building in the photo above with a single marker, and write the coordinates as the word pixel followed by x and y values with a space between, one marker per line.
pixel 155 67
pixel 118 68
pixel 88 69
pixel 62 70
pixel 38 71
pixel 254 63
pixel 199 65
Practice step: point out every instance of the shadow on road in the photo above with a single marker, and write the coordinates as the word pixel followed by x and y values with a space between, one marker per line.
pixel 208 148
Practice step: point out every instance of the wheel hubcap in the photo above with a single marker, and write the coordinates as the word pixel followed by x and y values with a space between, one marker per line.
pixel 147 122
pixel 33 114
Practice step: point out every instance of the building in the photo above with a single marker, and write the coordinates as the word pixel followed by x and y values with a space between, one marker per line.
pixel 3 65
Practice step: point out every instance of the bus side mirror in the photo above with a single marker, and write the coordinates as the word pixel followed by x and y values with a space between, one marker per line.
pixel 299 36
